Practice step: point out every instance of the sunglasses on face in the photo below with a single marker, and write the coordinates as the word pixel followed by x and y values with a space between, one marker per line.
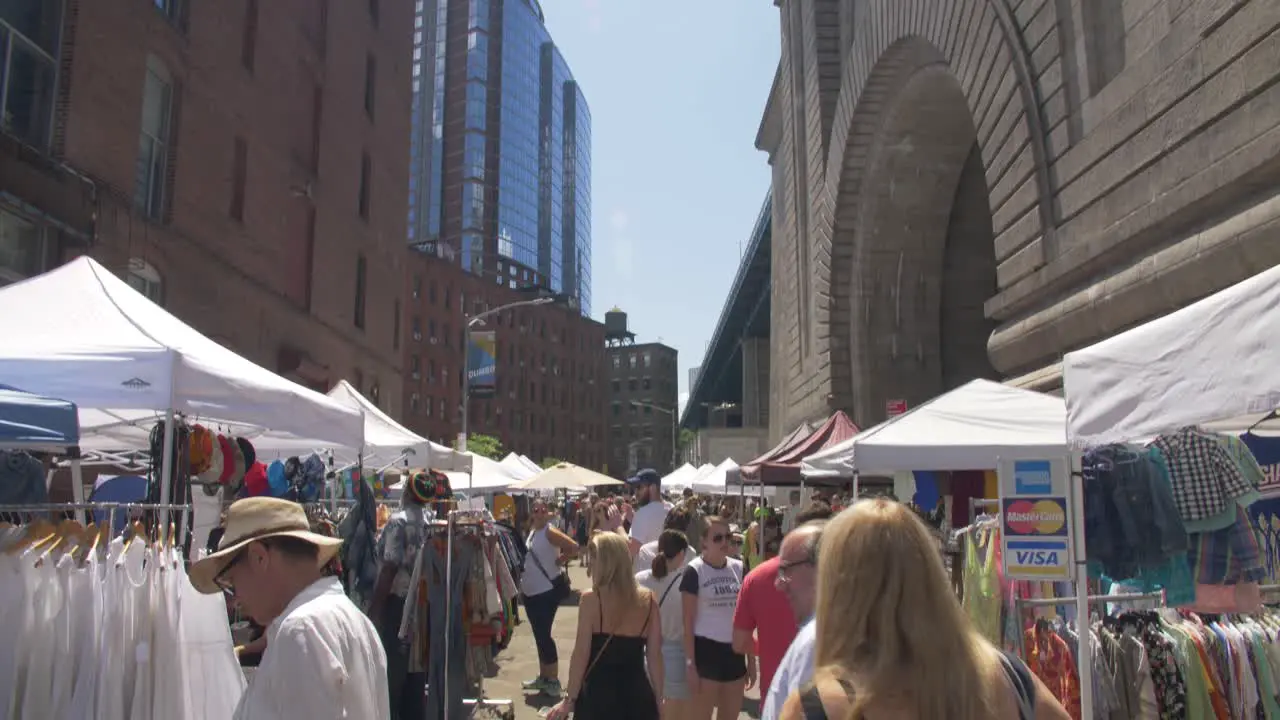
pixel 784 568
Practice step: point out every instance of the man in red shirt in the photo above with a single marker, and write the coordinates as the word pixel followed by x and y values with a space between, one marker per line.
pixel 763 623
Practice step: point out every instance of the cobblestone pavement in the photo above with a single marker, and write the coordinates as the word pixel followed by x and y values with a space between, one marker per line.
pixel 519 661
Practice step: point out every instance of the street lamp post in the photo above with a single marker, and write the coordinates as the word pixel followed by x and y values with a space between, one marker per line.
pixel 472 321
pixel 675 429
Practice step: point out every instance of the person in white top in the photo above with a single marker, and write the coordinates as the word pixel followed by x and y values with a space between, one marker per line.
pixel 650 518
pixel 709 585
pixel 324 658
pixel 663 578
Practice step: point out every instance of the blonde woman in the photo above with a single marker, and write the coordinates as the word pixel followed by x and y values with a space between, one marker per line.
pixel 893 642
pixel 619 630
pixel 709 589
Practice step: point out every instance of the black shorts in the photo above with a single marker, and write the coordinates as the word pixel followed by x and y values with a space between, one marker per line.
pixel 717 662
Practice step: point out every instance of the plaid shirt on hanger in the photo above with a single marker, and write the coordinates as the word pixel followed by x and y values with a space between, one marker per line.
pixel 1203 476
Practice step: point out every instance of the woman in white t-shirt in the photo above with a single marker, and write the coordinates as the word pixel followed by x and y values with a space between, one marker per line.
pixel 663 579
pixel 709 585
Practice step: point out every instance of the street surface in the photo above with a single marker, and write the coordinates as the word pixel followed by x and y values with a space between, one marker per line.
pixel 519 661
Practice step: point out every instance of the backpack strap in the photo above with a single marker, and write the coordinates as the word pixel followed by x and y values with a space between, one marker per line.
pixel 1024 685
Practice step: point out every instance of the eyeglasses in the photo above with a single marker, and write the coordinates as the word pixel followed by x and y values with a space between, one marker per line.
pixel 784 568
pixel 221 580
pixel 718 538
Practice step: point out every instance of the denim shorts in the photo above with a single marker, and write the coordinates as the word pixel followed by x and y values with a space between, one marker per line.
pixel 675 684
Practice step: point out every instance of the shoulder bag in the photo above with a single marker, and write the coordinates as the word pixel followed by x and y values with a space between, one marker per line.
pixel 559 585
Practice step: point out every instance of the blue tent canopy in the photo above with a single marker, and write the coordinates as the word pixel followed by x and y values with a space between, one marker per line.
pixel 34 422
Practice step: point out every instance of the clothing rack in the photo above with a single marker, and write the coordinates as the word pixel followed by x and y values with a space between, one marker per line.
pixel 505 706
pixel 24 514
pixel 1117 598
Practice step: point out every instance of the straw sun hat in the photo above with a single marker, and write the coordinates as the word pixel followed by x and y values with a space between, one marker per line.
pixel 258 518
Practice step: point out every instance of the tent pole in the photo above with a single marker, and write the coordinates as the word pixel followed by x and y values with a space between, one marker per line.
pixel 166 464
pixel 1084 653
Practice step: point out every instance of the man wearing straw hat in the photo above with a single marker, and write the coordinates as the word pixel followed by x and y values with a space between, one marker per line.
pixel 323 658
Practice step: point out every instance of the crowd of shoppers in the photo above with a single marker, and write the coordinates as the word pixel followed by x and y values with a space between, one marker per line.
pixel 852 617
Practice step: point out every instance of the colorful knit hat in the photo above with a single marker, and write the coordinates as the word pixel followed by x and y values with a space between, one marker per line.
pixel 421 487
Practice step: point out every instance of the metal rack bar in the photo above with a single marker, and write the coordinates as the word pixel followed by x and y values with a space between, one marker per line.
pixel 1118 598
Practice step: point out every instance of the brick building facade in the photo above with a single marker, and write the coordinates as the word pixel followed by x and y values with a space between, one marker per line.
pixel 974 188
pixel 245 163
pixel 551 392
pixel 643 407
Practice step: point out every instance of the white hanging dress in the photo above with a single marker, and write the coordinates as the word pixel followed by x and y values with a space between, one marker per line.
pixel 84 696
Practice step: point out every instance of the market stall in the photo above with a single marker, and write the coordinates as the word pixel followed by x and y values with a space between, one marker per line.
pixel 28 424
pixel 780 467
pixel 515 465
pixel 1175 385
pixel 387 442
pixel 968 428
pixel 82 334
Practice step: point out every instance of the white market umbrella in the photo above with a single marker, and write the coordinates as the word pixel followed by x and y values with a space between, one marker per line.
pixel 564 476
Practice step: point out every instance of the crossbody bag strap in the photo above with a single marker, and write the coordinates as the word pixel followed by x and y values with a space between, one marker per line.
pixel 538 563
pixel 667 592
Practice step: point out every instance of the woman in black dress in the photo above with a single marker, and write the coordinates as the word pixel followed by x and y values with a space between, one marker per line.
pixel 618 631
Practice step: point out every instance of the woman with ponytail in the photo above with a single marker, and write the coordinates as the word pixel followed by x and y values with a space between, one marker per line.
pixel 662 579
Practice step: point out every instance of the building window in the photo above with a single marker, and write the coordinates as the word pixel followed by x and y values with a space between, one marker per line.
pixel 153 153
pixel 631 360
pixel 373 11
pixel 417 286
pixel 415 367
pixel 370 84
pixel 413 403
pixel 358 313
pixel 239 168
pixel 22 248
pixel 366 169
pixel 417 328
pixel 144 278
pixel 28 70
pixel 249 43
pixel 395 325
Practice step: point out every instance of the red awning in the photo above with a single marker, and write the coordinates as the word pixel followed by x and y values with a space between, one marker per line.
pixel 781 466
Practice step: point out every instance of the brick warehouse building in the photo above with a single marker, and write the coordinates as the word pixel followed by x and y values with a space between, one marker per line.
pixel 551 388
pixel 244 163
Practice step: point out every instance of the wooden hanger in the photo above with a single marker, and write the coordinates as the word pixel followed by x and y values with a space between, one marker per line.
pixel 68 533
pixel 38 531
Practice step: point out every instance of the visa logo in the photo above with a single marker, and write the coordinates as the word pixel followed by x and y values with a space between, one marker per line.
pixel 1041 558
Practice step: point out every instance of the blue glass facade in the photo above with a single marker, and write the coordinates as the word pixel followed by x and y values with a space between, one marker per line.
pixel 520 159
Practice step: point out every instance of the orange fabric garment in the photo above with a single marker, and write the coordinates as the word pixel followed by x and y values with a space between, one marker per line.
pixel 1050 659
pixel 1217 691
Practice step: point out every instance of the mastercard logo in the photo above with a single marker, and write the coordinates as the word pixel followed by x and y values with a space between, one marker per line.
pixel 1035 517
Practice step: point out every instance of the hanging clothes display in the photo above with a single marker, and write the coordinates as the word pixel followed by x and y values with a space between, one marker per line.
pixel 108 630
pixel 983 598
pixel 1173 516
pixel 472 612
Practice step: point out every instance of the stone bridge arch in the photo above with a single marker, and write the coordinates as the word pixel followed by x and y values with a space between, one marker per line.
pixel 936 186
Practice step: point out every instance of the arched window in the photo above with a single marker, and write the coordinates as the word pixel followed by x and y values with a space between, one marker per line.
pixel 144 278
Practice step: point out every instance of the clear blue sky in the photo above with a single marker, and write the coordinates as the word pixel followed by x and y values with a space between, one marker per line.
pixel 676 89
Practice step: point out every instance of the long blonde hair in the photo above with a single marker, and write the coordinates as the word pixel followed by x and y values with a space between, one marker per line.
pixel 611 571
pixel 889 623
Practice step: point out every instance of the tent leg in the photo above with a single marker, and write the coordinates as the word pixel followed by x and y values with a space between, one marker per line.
pixel 1084 653
pixel 166 465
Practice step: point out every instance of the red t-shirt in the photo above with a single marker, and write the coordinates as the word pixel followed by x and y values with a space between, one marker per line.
pixel 764 610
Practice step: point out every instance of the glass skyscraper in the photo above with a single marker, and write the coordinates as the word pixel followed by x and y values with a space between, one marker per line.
pixel 500 170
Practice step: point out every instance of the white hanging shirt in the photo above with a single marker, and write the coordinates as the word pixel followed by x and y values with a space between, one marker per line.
pixel 323 660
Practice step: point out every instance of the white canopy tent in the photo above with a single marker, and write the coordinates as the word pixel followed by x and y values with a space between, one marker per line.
pixel 515 464
pixel 82 334
pixel 679 478
pixel 1215 363
pixel 534 467
pixel 968 428
pixel 385 440
pixel 716 480
pixel 486 476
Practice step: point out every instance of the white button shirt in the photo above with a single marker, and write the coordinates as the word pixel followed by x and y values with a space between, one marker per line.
pixel 323 660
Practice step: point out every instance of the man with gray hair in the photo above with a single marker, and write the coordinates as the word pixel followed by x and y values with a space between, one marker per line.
pixel 780 586
pixel 798 580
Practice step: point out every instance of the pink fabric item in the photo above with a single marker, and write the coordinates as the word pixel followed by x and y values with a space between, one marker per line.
pixel 1242 598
